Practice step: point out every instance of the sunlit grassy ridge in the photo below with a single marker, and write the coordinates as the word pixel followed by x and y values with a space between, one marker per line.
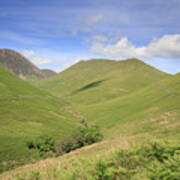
pixel 27 112
pixel 157 102
pixel 93 81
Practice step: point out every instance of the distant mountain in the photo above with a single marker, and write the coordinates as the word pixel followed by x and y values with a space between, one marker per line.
pixel 98 80
pixel 22 67
pixel 48 72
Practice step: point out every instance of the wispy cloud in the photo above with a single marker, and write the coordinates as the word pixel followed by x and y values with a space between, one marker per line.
pixel 38 60
pixel 19 38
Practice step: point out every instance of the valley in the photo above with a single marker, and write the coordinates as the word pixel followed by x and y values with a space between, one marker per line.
pixel 131 102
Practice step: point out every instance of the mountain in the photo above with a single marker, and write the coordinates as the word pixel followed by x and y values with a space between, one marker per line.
pixel 22 67
pixel 118 95
pixel 93 81
pixel 48 72
pixel 27 112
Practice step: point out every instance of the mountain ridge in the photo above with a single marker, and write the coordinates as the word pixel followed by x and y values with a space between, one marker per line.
pixel 104 78
pixel 21 66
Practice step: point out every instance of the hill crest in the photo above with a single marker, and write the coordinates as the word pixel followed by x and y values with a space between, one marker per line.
pixel 101 79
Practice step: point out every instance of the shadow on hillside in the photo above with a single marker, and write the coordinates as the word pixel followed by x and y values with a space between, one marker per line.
pixel 91 85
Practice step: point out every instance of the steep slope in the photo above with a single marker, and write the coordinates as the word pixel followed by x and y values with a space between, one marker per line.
pixel 95 81
pixel 27 112
pixel 153 109
pixel 19 65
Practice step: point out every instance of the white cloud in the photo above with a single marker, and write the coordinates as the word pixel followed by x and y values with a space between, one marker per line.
pixel 167 46
pixel 36 59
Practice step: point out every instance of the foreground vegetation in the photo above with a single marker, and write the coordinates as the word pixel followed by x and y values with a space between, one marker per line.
pixel 155 160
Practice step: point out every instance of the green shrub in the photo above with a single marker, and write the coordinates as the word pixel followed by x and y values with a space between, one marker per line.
pixel 42 144
pixel 104 171
pixel 157 160
pixel 90 135
pixel 83 136
pixel 45 146
pixel 66 145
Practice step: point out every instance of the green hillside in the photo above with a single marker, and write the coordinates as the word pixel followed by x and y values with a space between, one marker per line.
pixel 93 81
pixel 149 117
pixel 122 97
pixel 27 112
pixel 130 101
pixel 153 109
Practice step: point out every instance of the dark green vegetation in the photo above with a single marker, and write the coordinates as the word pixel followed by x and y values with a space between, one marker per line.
pixel 82 137
pixel 27 112
pixel 45 146
pixel 156 160
pixel 20 66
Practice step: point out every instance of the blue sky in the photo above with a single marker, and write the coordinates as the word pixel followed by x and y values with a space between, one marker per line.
pixel 58 33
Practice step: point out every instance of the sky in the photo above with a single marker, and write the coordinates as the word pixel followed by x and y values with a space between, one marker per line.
pixel 58 33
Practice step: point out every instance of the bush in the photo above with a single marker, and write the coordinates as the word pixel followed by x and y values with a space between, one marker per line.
pixel 42 144
pixel 46 146
pixel 66 145
pixel 82 137
pixel 157 160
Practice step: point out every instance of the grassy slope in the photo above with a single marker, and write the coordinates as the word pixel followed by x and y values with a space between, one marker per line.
pixel 26 112
pixel 154 109
pixel 99 80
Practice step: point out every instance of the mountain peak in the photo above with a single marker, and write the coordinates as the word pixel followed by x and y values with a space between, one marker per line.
pixel 21 66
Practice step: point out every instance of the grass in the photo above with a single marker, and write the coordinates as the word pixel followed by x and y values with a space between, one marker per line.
pixel 129 100
pixel 144 105
pixel 27 112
